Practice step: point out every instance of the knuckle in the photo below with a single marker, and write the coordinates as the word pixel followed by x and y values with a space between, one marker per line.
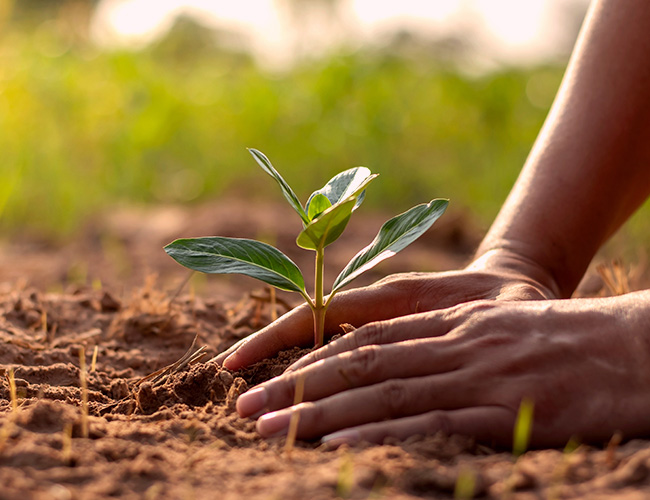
pixel 283 390
pixel 395 397
pixel 314 356
pixel 317 355
pixel 477 308
pixel 312 417
pixel 363 362
pixel 492 339
pixel 372 333
pixel 480 318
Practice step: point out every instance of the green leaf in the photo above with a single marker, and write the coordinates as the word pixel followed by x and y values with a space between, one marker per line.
pixel 330 224
pixel 317 205
pixel 220 255
pixel 327 227
pixel 395 235
pixel 343 185
pixel 288 193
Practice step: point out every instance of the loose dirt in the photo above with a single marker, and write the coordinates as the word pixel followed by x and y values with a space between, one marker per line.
pixel 151 433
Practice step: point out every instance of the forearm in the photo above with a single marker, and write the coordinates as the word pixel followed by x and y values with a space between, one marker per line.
pixel 590 166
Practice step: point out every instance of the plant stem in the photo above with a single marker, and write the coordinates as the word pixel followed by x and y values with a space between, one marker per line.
pixel 319 307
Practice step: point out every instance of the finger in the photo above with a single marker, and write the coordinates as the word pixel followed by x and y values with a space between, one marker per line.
pixel 492 424
pixel 410 327
pixel 219 358
pixel 287 331
pixel 357 307
pixel 414 326
pixel 387 400
pixel 365 366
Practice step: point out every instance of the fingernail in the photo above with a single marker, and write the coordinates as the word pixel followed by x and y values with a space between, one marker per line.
pixel 336 439
pixel 217 359
pixel 230 362
pixel 252 402
pixel 273 424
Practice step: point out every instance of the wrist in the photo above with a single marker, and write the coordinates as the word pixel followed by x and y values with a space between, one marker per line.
pixel 505 260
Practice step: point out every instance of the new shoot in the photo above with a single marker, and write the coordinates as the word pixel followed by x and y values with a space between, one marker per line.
pixel 324 218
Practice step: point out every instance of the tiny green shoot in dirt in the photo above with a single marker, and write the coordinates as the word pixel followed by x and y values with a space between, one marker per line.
pixel 324 218
pixel 523 427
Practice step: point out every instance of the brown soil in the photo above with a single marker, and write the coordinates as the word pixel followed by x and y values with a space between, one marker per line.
pixel 175 434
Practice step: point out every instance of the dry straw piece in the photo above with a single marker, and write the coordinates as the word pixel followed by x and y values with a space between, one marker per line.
pixel 295 415
pixel 84 392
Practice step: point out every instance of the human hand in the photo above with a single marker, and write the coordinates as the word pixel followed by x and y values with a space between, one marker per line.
pixel 498 275
pixel 583 363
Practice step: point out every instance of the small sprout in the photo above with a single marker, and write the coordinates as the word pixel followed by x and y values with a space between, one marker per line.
pixel 345 480
pixel 324 218
pixel 572 445
pixel 465 484
pixel 523 427
pixel 563 466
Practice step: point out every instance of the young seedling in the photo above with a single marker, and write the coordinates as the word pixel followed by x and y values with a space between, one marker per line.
pixel 324 218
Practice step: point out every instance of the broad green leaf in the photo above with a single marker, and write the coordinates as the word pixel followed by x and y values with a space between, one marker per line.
pixel 395 235
pixel 220 255
pixel 327 227
pixel 288 193
pixel 343 185
pixel 317 205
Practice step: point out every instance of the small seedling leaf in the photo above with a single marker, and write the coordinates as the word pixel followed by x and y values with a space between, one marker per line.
pixel 395 235
pixel 346 184
pixel 221 255
pixel 330 224
pixel 327 227
pixel 288 193
pixel 316 205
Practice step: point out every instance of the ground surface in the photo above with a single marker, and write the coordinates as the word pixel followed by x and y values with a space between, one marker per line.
pixel 176 435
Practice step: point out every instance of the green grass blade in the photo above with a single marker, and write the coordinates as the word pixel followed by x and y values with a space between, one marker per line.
pixel 220 255
pixel 523 427
pixel 288 193
pixel 395 235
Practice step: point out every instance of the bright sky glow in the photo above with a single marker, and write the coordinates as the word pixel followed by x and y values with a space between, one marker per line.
pixel 508 29
pixel 374 12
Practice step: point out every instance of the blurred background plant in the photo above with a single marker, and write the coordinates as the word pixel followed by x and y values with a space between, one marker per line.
pixel 89 119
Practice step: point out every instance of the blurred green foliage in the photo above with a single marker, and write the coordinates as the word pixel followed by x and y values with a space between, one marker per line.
pixel 81 129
